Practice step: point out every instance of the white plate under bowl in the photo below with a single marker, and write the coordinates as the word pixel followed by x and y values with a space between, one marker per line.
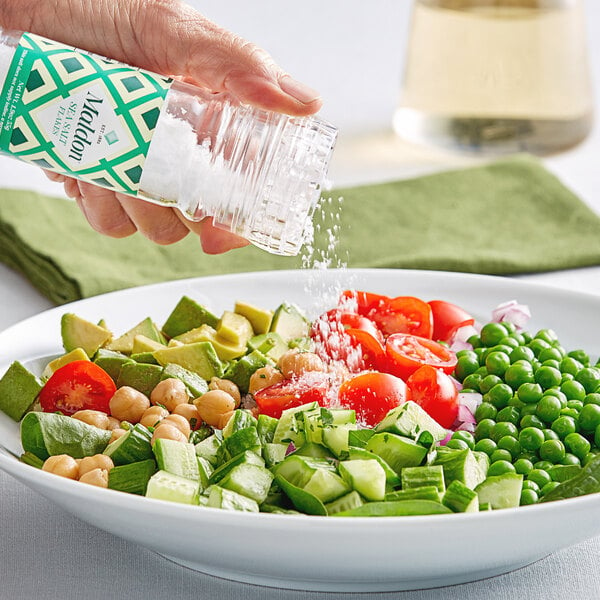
pixel 307 552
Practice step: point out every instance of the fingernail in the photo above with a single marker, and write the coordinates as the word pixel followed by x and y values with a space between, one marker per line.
pixel 302 92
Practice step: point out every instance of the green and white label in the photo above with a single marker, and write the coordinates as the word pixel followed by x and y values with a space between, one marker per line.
pixel 79 114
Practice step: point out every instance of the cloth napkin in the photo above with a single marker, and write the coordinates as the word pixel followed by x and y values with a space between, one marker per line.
pixel 509 216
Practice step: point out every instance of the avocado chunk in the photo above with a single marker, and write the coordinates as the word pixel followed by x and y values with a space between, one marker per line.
pixel 140 376
pixel 65 359
pixel 186 315
pixel 147 328
pixel 199 357
pixel 240 371
pixel 259 318
pixel 289 322
pixel 234 328
pixel 18 390
pixel 270 344
pixel 225 349
pixel 111 362
pixel 80 333
pixel 195 385
pixel 142 343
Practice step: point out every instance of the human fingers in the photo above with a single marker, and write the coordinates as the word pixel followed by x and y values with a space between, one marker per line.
pixel 213 239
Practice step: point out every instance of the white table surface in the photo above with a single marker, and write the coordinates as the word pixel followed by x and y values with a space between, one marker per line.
pixel 352 51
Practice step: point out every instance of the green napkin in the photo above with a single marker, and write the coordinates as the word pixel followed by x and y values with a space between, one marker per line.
pixel 509 216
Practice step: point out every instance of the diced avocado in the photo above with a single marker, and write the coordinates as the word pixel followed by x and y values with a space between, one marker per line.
pixel 229 500
pixel 166 486
pixel 47 434
pixel 460 498
pixel 61 361
pixel 142 343
pixel 80 333
pixel 289 322
pixel 111 362
pixel 409 420
pixel 144 357
pixel 252 481
pixel 234 328
pixel 241 370
pixel 225 349
pixel 186 315
pixel 259 318
pixel 195 384
pixel 367 477
pixel 199 358
pixel 147 328
pixel 140 376
pixel 18 390
pixel 501 491
pixel 270 344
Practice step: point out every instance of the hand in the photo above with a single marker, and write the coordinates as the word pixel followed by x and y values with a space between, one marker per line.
pixel 171 38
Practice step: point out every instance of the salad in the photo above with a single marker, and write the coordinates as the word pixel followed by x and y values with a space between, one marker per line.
pixel 381 406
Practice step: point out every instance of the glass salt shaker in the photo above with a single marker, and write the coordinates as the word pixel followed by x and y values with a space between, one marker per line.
pixel 258 174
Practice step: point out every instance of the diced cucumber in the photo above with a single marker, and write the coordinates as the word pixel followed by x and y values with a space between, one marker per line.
pixel 242 440
pixel 460 498
pixel 240 419
pixel 397 451
pixel 409 420
pixel 205 470
pixel 229 500
pixel 132 478
pixel 166 486
pixel 288 427
pixel 209 449
pixel 367 477
pixel 413 477
pixel 314 450
pixel 298 470
pixel 347 502
pixel 336 438
pixel 326 485
pixel 273 454
pixel 266 426
pixel 133 446
pixel 302 500
pixel 359 437
pixel 177 458
pixel 246 457
pixel 398 508
pixel 391 477
pixel 427 492
pixel 460 464
pixel 252 481
pixel 501 491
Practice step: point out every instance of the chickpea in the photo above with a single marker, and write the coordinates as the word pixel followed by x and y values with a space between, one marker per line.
pixel 127 404
pixel 224 419
pixel 169 393
pixel 168 432
pixel 113 424
pixel 97 477
pixel 293 363
pixel 264 377
pixel 153 415
pixel 226 386
pixel 213 405
pixel 63 465
pixel 190 413
pixel 98 461
pixel 93 417
pixel 180 422
pixel 116 434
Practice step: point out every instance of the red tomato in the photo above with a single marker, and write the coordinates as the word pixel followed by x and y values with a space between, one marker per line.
pixel 310 387
pixel 404 314
pixel 361 302
pixel 435 392
pixel 372 349
pixel 78 385
pixel 447 318
pixel 406 353
pixel 372 396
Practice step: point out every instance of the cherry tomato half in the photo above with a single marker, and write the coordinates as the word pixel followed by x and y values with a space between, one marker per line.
pixel 435 392
pixel 372 396
pixel 309 387
pixel 406 353
pixel 404 314
pixel 447 319
pixel 361 302
pixel 78 385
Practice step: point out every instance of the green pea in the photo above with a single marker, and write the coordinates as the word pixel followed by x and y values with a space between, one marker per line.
pixel 511 444
pixel 580 356
pixel 540 477
pixel 548 408
pixel 576 405
pixel 500 455
pixel 558 394
pixel 537 345
pixel 510 327
pixel 531 421
pixel 531 438
pixel 500 467
pixel 523 466
pixel 466 365
pixel 577 445
pixel 530 393
pixel 528 497
pixel 573 390
pixel 486 445
pixel 472 381
pixel 544 465
pixel 548 335
pixel 569 412
pixel 530 485
pixel 496 363
pixel 589 417
pixel 589 378
pixel 547 377
pixel 597 436
pixel 484 428
pixel 550 435
pixel 550 354
pixel 509 414
pixel 475 341
pixel 504 428
pixel 570 459
pixel 552 450
pixel 465 436
pixel 553 364
pixel 530 456
pixel 588 457
pixel 549 487
pixel 518 337
pixel 509 341
pixel 492 333
pixel 593 398
pixel 523 408
pixel 457 444
pixel 521 353
pixel 570 365
pixel 563 426
pixel 486 410
pixel 488 382
pixel 499 395
pixel 518 374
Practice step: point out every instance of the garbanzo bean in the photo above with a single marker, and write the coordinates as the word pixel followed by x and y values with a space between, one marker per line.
pixel 169 393
pixel 93 417
pixel 116 434
pixel 264 377
pixel 98 461
pixel 153 416
pixel 226 386
pixel 180 422
pixel 293 363
pixel 63 465
pixel 168 432
pixel 113 424
pixel 190 413
pixel 213 405
pixel 128 404
pixel 97 477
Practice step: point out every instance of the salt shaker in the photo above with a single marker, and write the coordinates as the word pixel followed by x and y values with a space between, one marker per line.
pixel 257 173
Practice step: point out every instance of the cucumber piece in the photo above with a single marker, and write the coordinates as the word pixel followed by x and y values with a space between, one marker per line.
pixel 177 458
pixel 132 478
pixel 391 477
pixel 270 344
pixel 229 500
pixel 241 419
pixel 410 420
pixel 358 438
pixel 265 426
pixel 314 450
pixel 336 438
pixel 367 477
pixel 460 464
pixel 413 477
pixel 298 470
pixel 326 485
pixel 398 452
pixel 166 486
pixel 252 481
pixel 304 501
pixel 273 454
pixel 426 492
pixel 587 481
pixel 289 322
pixel 18 390
pixel 245 457
pixel 460 498
pixel 290 428
pixel 397 508
pixel 209 449
pixel 134 446
pixel 47 434
pixel 501 491
pixel 205 470
pixel 242 440
pixel 347 502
